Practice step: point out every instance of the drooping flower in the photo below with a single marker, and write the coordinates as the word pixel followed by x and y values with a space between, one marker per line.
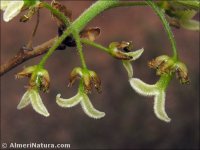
pixel 127 56
pixel 166 65
pixel 156 90
pixel 84 101
pixel 180 13
pixel 39 81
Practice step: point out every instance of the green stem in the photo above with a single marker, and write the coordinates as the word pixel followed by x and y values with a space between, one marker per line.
pixel 82 21
pixel 164 81
pixel 57 13
pixel 55 45
pixel 166 26
pixel 81 86
pixel 79 48
pixel 88 42
pixel 121 4
pixel 92 12
pixel 77 25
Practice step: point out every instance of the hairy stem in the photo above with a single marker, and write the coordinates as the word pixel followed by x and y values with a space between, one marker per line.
pixel 53 48
pixel 88 42
pixel 79 48
pixel 57 13
pixel 161 15
pixel 92 12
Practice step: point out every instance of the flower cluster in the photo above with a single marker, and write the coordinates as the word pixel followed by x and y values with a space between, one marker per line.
pixel 179 13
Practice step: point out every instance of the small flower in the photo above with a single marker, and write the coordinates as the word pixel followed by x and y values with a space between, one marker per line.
pixel 180 14
pixel 126 56
pixel 90 79
pixel 166 65
pixel 84 100
pixel 186 20
pixel 32 97
pixel 39 80
pixel 157 90
pixel 115 50
pixel 11 8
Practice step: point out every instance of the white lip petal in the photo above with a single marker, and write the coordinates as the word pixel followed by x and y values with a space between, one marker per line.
pixel 89 109
pixel 128 67
pixel 70 102
pixel 136 54
pixel 37 103
pixel 159 107
pixel 142 88
pixel 190 24
pixel 4 5
pixel 12 10
pixel 25 101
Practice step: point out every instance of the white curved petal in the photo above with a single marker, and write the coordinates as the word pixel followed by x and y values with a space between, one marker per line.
pixel 128 67
pixel 68 102
pixel 159 107
pixel 4 4
pixel 24 101
pixel 89 108
pixel 136 54
pixel 190 24
pixel 12 10
pixel 142 88
pixel 37 103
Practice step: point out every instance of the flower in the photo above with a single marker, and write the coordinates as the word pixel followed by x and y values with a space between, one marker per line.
pixel 127 56
pixel 180 13
pixel 186 20
pixel 84 100
pixel 166 65
pixel 31 96
pixel 39 80
pixel 157 90
pixel 11 8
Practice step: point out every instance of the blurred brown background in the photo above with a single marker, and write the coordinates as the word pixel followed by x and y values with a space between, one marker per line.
pixel 130 121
